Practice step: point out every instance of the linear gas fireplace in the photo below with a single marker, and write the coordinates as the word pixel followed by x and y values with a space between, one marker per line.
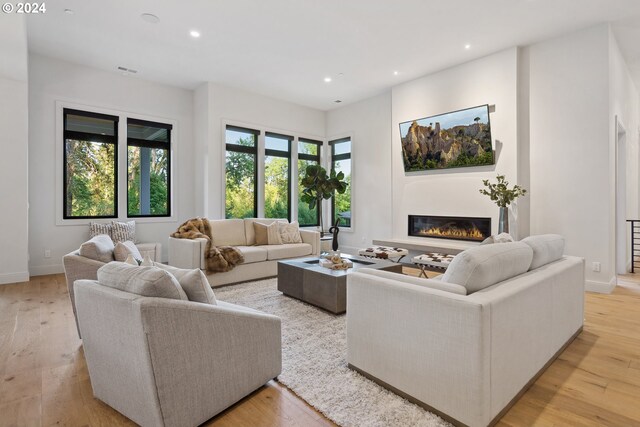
pixel 450 227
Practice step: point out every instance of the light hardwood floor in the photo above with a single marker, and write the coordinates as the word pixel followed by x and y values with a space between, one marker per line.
pixel 44 379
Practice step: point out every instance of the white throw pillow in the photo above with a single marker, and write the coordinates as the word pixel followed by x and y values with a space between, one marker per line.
pixel 123 231
pixel 145 281
pixel 123 249
pixel 503 238
pixel 194 283
pixel 289 233
pixel 500 238
pixel 97 228
pixel 99 248
pixel 482 266
pixel 273 234
pixel 546 248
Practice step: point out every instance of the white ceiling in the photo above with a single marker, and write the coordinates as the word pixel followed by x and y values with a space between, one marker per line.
pixel 285 48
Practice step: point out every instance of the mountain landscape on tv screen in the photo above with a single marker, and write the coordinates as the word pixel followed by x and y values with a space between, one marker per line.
pixel 450 140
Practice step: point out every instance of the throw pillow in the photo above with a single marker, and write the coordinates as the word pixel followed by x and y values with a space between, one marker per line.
pixel 261 233
pixel 488 241
pixel 482 266
pixel 145 281
pixel 123 231
pixel 99 248
pixel 96 228
pixel 500 238
pixel 503 238
pixel 289 233
pixel 123 249
pixel 273 234
pixel 546 248
pixel 194 283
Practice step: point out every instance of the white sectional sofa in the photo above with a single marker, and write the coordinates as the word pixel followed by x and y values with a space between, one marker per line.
pixel 467 350
pixel 259 261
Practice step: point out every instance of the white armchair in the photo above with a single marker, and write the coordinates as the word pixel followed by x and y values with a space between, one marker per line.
pixel 168 362
pixel 78 267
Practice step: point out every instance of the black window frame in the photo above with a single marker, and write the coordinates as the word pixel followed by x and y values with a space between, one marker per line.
pixel 143 143
pixel 284 155
pixel 91 137
pixel 314 158
pixel 247 150
pixel 336 158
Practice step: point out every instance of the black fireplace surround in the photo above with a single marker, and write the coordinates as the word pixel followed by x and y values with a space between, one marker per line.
pixel 450 227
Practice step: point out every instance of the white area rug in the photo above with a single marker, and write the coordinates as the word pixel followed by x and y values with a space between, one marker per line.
pixel 314 365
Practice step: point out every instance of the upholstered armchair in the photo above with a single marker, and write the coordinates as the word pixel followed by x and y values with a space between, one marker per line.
pixel 78 267
pixel 172 362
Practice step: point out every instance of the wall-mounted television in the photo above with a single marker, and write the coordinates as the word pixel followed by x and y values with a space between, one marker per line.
pixel 457 139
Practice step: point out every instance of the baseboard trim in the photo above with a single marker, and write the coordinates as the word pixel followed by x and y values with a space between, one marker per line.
pixel 43 270
pixel 453 420
pixel 600 287
pixel 17 277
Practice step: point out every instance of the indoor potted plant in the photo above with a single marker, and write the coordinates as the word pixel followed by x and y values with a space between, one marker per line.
pixel 503 196
pixel 319 185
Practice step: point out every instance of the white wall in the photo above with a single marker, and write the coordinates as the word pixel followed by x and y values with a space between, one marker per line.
pixel 202 137
pixel 229 105
pixel 624 105
pixel 491 80
pixel 368 123
pixel 14 142
pixel 570 159
pixel 52 80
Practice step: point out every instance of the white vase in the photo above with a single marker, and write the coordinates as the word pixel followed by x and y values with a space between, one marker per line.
pixel 146 262
pixel 131 260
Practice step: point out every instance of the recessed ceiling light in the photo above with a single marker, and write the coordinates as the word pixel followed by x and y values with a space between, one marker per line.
pixel 338 101
pixel 195 34
pixel 327 79
pixel 68 11
pixel 150 18
pixel 467 46
pixel 395 73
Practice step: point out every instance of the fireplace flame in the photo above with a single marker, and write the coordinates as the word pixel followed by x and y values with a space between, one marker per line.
pixel 453 231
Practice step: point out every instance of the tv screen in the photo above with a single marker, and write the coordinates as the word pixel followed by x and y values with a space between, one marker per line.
pixel 457 139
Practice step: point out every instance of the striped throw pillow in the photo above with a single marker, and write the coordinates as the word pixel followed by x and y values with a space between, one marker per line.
pixel 97 228
pixel 123 231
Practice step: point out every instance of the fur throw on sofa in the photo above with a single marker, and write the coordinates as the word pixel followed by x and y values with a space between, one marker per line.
pixel 217 258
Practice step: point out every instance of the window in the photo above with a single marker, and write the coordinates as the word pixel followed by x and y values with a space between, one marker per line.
pixel 308 154
pixel 241 174
pixel 341 162
pixel 277 175
pixel 90 182
pixel 148 171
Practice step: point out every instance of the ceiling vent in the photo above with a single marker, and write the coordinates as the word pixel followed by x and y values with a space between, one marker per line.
pixel 127 70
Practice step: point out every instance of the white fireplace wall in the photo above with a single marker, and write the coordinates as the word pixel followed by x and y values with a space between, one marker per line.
pixel 455 192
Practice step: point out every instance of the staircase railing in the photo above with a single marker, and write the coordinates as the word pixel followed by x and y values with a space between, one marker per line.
pixel 635 243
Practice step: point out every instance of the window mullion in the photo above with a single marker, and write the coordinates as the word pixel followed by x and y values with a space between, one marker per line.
pixel 293 186
pixel 260 181
pixel 123 167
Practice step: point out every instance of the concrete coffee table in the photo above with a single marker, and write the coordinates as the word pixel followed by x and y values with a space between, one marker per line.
pixel 306 280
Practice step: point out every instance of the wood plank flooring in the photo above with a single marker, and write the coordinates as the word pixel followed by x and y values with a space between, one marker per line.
pixel 44 379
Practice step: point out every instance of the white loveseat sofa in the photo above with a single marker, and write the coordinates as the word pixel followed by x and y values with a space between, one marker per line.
pixel 259 261
pixel 467 356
